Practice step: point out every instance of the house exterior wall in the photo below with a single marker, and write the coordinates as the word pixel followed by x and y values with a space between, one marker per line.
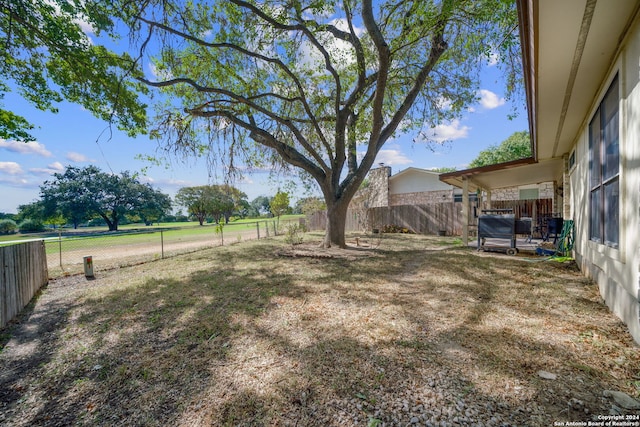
pixel 377 193
pixel 418 187
pixel 416 181
pixel 615 270
pixel 421 198
pixel 545 191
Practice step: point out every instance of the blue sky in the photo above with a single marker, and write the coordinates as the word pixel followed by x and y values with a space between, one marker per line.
pixel 74 137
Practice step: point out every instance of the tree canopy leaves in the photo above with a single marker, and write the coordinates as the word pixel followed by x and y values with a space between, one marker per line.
pixel 46 55
pixel 517 146
pixel 83 193
pixel 279 205
pixel 217 201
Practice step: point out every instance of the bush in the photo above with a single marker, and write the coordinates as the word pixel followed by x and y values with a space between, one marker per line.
pixel 8 226
pixel 31 226
pixel 294 234
pixel 391 228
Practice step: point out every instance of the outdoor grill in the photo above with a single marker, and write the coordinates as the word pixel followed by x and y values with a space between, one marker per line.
pixel 497 224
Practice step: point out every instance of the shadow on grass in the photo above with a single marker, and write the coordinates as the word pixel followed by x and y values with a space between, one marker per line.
pixel 250 338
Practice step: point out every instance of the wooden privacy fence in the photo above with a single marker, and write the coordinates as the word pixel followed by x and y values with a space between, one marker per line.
pixel 422 219
pixel 433 218
pixel 24 271
pixel 532 208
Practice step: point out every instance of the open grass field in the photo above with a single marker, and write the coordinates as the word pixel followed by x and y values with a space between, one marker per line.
pixel 404 330
pixel 188 227
pixel 133 245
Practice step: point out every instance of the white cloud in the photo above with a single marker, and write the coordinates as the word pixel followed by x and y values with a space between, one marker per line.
pixel 32 147
pixel 443 103
pixel 52 168
pixel 159 74
pixel 165 182
pixel 146 179
pixel 85 26
pixel 392 158
pixel 10 168
pixel 341 52
pixel 15 181
pixel 447 132
pixel 493 59
pixel 78 157
pixel 490 100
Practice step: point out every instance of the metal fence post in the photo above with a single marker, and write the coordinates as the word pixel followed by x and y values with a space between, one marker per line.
pixel 162 244
pixel 258 229
pixel 60 247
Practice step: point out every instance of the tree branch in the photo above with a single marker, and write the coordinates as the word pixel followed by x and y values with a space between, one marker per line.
pixel 278 63
pixel 263 137
pixel 438 47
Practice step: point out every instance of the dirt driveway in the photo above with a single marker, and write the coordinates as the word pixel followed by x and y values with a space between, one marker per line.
pixel 409 330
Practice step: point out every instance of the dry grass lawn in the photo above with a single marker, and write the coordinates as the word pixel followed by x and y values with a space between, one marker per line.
pixel 413 329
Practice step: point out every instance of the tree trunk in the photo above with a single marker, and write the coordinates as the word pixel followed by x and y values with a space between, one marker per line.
pixel 113 223
pixel 336 221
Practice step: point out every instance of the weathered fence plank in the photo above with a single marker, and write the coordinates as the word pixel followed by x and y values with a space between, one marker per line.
pixel 24 272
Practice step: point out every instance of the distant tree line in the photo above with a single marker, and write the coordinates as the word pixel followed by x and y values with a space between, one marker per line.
pixel 90 197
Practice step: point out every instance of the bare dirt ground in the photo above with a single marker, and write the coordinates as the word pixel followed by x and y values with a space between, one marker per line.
pixel 119 255
pixel 404 330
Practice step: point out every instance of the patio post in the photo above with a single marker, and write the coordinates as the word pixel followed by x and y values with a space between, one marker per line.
pixel 465 211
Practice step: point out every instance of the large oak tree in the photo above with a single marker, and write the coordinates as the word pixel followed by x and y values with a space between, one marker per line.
pixel 316 85
pixel 82 193
pixel 320 85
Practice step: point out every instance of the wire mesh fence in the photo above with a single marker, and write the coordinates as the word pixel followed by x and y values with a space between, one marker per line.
pixel 66 253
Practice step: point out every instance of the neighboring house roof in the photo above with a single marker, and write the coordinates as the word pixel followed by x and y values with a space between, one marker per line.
pixel 566 56
pixel 415 180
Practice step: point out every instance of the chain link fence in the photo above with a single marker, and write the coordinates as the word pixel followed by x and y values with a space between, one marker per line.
pixel 66 253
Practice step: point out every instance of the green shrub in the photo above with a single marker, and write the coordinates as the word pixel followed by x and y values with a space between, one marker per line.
pixel 8 226
pixel 31 226
pixel 294 234
pixel 392 228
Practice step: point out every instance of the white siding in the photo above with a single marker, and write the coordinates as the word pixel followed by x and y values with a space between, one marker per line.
pixel 416 181
pixel 615 270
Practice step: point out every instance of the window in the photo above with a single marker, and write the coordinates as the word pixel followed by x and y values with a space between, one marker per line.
pixel 528 193
pixel 604 170
pixel 572 159
pixel 473 197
